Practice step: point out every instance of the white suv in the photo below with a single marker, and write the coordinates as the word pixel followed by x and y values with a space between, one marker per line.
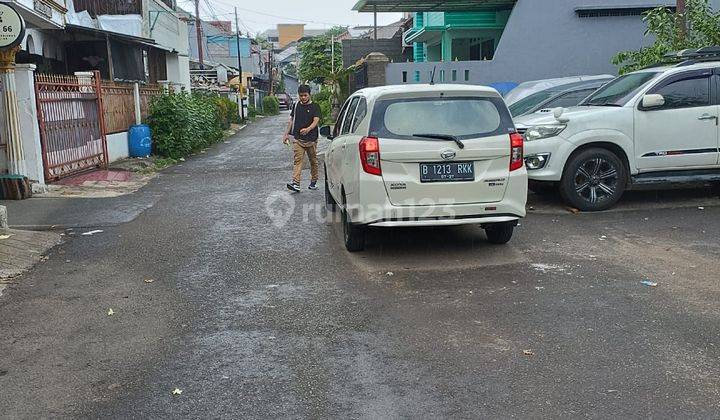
pixel 652 127
pixel 425 155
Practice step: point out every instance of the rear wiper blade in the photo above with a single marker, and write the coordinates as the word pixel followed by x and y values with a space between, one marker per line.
pixel 442 137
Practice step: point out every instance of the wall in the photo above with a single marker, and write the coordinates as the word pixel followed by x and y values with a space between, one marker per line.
pixel 29 129
pixel 117 145
pixel 288 33
pixel 355 49
pixel 562 44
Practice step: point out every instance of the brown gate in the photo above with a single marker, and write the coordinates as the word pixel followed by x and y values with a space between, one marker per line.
pixel 72 127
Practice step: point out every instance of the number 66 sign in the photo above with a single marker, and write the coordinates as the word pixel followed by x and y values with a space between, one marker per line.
pixel 12 27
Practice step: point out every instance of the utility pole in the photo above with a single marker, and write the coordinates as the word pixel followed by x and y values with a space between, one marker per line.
pixel 270 73
pixel 198 31
pixel 332 54
pixel 240 77
pixel 682 18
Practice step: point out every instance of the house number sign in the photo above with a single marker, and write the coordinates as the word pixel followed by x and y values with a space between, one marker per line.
pixel 12 26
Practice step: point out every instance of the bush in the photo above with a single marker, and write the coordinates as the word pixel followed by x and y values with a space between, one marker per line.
pixel 324 101
pixel 271 106
pixel 229 112
pixel 183 123
pixel 252 111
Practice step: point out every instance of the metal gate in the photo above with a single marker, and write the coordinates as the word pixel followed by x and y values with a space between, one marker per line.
pixel 72 127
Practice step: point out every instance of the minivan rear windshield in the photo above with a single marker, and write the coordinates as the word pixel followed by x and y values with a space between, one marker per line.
pixel 620 90
pixel 461 117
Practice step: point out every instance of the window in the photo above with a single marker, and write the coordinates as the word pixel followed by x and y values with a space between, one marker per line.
pixel 525 105
pixel 404 77
pixel 569 99
pixel 442 75
pixel 338 123
pixel 349 118
pixel 467 75
pixel 686 93
pixel 359 114
pixel 454 75
pixel 464 117
pixel 620 90
pixel 417 75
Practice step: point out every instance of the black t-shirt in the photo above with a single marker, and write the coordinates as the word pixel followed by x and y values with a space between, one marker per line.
pixel 303 119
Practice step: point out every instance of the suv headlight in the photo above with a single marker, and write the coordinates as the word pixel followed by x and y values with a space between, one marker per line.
pixel 544 131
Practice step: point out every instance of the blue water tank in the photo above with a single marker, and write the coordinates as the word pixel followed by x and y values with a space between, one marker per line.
pixel 140 141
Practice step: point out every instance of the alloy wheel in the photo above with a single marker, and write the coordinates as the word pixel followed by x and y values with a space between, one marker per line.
pixel 596 180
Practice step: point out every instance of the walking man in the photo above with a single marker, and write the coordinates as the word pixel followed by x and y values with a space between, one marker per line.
pixel 303 127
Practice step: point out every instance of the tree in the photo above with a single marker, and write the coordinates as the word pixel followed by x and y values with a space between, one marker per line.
pixel 698 27
pixel 315 61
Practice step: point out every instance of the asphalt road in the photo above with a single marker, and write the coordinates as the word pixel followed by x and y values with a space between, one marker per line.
pixel 256 311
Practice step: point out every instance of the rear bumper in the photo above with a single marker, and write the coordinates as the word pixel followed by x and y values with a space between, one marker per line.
pixel 369 205
pixel 483 220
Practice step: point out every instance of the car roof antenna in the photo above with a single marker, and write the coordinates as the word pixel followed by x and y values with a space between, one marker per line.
pixel 432 77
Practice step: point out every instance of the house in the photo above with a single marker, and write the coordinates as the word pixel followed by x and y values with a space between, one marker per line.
pixel 286 33
pixel 387 40
pixel 486 41
pixel 146 40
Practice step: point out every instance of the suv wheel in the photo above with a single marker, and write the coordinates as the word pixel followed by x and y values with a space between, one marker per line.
pixel 499 233
pixel 593 180
pixel 353 235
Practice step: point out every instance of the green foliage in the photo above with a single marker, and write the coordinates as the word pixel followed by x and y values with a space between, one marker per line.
pixel 271 106
pixel 316 64
pixel 323 99
pixel 252 112
pixel 703 29
pixel 183 123
pixel 228 111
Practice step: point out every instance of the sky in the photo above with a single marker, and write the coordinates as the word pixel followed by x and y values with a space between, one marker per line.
pixel 257 16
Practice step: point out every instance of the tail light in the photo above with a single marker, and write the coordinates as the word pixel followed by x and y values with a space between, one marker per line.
pixel 516 151
pixel 370 155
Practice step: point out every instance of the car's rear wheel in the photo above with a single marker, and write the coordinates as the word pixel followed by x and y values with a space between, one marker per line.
pixel 329 200
pixel 593 180
pixel 353 235
pixel 499 233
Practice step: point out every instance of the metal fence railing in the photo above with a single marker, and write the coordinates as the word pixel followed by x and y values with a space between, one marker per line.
pixel 119 104
pixel 109 7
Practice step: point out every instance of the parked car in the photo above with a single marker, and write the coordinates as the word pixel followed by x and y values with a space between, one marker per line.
pixel 286 102
pixel 563 96
pixel 425 155
pixel 526 89
pixel 653 127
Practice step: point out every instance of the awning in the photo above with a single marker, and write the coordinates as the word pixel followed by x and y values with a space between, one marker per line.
pixel 389 6
pixel 146 42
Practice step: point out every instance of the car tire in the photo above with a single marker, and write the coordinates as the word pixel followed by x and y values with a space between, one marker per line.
pixel 593 180
pixel 499 233
pixel 329 200
pixel 353 235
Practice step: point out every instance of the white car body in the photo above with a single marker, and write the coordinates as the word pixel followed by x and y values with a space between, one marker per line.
pixel 647 140
pixel 398 197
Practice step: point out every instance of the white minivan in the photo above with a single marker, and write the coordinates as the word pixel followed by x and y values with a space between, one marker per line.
pixel 425 155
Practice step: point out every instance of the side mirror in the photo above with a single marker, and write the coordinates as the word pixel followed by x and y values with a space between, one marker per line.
pixel 326 132
pixel 653 101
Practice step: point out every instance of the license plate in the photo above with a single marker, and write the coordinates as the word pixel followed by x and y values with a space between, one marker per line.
pixel 447 172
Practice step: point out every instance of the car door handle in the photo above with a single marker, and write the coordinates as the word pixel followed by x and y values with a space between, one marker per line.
pixel 707 117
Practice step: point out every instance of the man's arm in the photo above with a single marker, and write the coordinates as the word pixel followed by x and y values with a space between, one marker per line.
pixel 286 137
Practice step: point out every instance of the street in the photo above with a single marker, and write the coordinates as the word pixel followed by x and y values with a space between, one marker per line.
pixel 225 287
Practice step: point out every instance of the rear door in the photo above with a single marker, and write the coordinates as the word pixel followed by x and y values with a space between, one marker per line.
pixel 339 143
pixel 419 170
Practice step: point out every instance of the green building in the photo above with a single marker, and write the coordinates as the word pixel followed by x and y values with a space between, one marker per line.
pixel 457 36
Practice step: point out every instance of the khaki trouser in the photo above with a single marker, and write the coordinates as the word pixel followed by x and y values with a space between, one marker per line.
pixel 299 151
